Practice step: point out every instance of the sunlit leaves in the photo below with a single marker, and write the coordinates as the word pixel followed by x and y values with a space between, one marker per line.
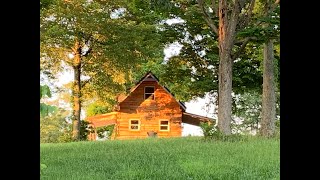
pixel 115 36
pixel 46 110
pixel 98 107
pixel 55 128
pixel 45 91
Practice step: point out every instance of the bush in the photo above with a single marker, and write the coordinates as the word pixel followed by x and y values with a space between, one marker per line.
pixel 66 137
pixel 105 129
pixel 208 129
pixel 54 128
pixel 212 132
pixel 84 130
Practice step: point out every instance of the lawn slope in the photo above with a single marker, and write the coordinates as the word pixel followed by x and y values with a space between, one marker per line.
pixel 172 158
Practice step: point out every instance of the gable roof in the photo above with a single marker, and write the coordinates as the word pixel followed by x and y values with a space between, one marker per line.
pixel 151 77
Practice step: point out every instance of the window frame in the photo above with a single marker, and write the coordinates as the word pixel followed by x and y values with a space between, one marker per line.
pixel 160 125
pixel 144 93
pixel 139 124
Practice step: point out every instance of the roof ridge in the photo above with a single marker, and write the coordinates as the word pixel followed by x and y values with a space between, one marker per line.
pixel 164 87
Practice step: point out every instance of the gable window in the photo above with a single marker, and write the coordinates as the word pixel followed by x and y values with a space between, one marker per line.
pixel 164 125
pixel 134 124
pixel 149 92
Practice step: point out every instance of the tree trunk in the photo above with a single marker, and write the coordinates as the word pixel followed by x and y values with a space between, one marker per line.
pixel 227 27
pixel 76 92
pixel 268 94
pixel 225 89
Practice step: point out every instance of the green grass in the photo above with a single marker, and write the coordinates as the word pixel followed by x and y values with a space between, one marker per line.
pixel 155 158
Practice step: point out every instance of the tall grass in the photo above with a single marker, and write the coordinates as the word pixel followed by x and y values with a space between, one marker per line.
pixel 155 158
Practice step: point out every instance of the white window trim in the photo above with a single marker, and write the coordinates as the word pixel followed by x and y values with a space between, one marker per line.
pixel 139 124
pixel 164 125
pixel 144 92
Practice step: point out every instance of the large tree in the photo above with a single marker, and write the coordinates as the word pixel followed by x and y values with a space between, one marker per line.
pixel 223 20
pixel 102 40
pixel 247 102
pixel 233 17
pixel 269 85
pixel 227 22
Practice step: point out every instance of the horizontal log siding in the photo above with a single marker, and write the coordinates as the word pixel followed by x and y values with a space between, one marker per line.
pixel 149 112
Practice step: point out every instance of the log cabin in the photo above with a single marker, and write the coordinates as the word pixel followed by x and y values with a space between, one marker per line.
pixel 150 109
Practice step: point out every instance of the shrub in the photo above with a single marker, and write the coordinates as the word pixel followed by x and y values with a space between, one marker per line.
pixel 105 131
pixel 212 132
pixel 208 129
pixel 85 129
pixel 54 128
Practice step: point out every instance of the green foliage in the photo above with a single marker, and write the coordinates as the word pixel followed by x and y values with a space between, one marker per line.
pixel 163 158
pixel 85 129
pixel 247 74
pixel 194 71
pixel 116 37
pixel 46 4
pixel 247 70
pixel 55 128
pixel 98 108
pixel 264 25
pixel 105 131
pixel 212 132
pixel 45 109
pixel 207 129
pixel 45 91
pixel 248 107
pixel 188 77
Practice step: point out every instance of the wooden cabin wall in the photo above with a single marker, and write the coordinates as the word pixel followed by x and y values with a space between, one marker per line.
pixel 149 112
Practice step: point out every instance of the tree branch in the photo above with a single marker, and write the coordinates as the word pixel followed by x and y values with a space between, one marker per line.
pixel 247 39
pixel 207 17
pixel 232 24
pixel 77 47
pixel 243 45
pixel 274 5
pixel 89 61
pixel 247 17
pixel 84 82
pixel 214 8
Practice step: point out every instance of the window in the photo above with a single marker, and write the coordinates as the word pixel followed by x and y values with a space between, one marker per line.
pixel 134 125
pixel 149 91
pixel 164 125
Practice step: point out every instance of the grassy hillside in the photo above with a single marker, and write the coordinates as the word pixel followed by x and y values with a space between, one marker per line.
pixel 174 158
